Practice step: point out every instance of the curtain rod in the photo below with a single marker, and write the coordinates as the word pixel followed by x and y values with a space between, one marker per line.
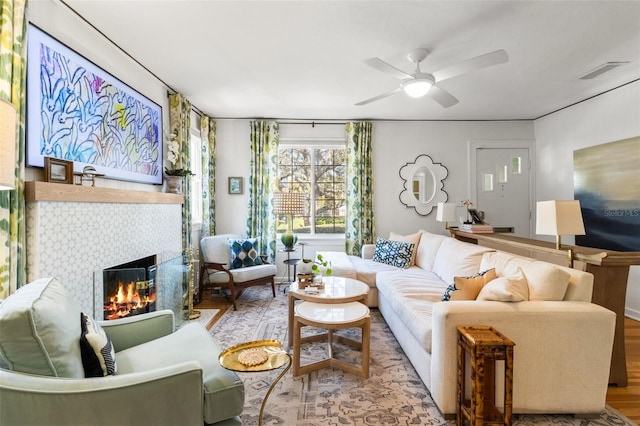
pixel 313 123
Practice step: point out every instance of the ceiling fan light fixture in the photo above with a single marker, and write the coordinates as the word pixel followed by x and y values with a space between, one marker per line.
pixel 418 86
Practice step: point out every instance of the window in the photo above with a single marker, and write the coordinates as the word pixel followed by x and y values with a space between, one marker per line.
pixel 319 172
pixel 196 180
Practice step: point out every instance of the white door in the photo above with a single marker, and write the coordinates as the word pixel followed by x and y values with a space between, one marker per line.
pixel 502 187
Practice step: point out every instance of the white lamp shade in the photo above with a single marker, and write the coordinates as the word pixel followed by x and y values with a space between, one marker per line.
pixel 7 145
pixel 559 218
pixel 446 212
pixel 288 203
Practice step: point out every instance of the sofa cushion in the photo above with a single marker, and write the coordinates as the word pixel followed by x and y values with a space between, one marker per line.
pixel 393 253
pixel 427 249
pixel 367 269
pixel 512 288
pixel 223 389
pixel 244 253
pixel 411 239
pixel 215 248
pixel 411 293
pixel 40 331
pixel 468 288
pixel 243 274
pixel 340 262
pixel 457 258
pixel 497 260
pixel 98 355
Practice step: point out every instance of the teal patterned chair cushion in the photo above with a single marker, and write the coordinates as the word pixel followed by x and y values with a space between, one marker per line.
pixel 395 253
pixel 244 253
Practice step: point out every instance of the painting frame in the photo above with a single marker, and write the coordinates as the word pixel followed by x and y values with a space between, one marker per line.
pixel 77 111
pixel 236 185
pixel 58 171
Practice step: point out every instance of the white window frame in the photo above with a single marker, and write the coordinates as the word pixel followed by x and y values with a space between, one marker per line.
pixel 314 143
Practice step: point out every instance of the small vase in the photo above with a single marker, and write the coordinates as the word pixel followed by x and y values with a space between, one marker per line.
pixel 173 184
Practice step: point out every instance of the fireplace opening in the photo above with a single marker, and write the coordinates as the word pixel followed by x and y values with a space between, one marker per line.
pixel 129 288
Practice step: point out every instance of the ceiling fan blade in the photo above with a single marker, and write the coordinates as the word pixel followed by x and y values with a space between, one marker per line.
pixel 375 98
pixel 473 64
pixel 442 97
pixel 381 65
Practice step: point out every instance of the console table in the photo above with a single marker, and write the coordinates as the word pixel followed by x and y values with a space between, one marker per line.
pixel 610 271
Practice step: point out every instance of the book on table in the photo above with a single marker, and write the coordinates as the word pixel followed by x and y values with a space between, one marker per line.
pixel 476 228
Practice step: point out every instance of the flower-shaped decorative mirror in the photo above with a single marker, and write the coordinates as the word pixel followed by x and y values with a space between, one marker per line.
pixel 423 184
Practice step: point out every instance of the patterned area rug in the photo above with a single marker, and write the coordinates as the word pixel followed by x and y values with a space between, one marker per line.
pixel 392 395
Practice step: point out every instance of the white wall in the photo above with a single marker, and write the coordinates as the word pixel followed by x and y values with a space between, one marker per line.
pixel 397 143
pixel 607 118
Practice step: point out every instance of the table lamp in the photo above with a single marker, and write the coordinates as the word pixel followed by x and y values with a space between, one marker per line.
pixel 446 212
pixel 7 145
pixel 288 203
pixel 559 218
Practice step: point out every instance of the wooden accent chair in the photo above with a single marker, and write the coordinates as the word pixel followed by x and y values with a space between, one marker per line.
pixel 235 272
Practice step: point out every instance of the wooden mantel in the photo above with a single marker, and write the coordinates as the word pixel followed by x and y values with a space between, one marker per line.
pixel 610 271
pixel 48 191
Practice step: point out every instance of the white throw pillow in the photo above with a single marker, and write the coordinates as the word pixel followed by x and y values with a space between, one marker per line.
pixel 512 288
pixel 546 281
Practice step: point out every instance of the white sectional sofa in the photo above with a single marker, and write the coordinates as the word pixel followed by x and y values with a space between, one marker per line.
pixel 563 342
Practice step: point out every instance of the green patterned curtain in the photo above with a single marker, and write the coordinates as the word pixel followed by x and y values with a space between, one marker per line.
pixel 180 125
pixel 263 183
pixel 13 53
pixel 208 136
pixel 359 227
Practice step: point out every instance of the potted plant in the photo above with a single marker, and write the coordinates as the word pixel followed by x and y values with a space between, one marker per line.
pixel 312 266
pixel 173 174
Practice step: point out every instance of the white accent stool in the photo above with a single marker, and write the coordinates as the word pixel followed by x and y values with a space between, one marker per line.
pixel 332 317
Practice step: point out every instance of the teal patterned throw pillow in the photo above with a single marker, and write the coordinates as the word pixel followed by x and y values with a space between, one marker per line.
pixel 395 253
pixel 244 253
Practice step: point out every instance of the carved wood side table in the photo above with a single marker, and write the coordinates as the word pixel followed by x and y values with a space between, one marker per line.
pixel 485 346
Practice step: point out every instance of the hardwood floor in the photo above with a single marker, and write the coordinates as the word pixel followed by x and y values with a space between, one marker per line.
pixel 626 400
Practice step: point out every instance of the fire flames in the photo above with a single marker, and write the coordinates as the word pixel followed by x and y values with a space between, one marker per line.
pixel 127 301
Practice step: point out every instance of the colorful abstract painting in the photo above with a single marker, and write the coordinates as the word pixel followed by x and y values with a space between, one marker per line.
pixel 607 183
pixel 77 111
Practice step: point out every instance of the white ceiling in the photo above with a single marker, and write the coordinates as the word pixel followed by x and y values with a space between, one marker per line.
pixel 303 59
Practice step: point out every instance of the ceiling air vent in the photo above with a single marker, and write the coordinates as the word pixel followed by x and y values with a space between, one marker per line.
pixel 601 69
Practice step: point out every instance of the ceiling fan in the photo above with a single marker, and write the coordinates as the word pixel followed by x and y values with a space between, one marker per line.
pixel 420 84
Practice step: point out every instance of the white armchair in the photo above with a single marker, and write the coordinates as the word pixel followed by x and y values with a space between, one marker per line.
pixel 219 269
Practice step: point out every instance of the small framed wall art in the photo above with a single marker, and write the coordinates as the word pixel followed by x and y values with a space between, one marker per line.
pixel 57 170
pixel 235 185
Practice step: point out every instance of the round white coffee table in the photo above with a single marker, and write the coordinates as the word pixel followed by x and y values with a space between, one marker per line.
pixel 335 316
pixel 336 290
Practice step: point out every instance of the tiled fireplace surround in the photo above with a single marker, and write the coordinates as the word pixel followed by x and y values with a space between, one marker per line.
pixel 71 236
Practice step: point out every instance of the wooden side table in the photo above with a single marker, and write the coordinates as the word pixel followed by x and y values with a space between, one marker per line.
pixel 485 345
